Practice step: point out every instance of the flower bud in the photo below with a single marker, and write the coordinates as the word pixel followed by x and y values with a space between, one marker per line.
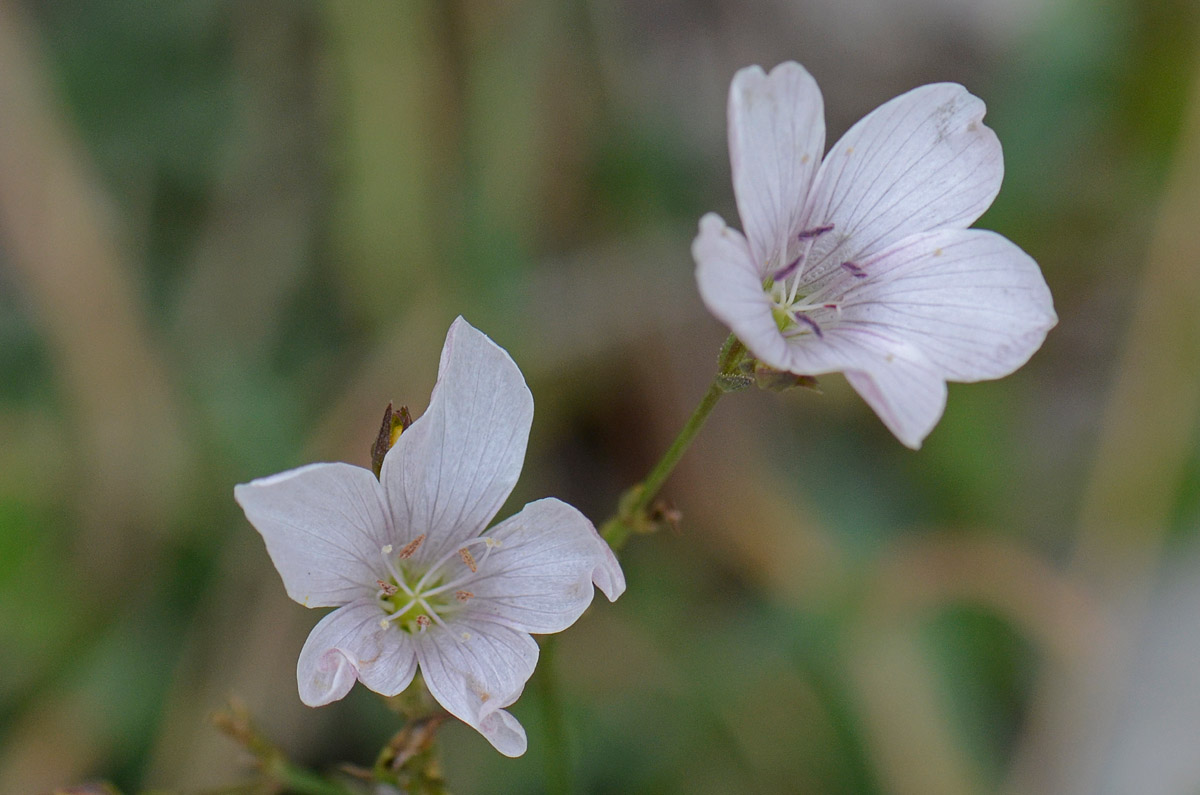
pixel 394 423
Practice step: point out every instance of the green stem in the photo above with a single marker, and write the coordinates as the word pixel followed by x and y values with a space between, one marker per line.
pixel 276 769
pixel 300 781
pixel 558 765
pixel 632 508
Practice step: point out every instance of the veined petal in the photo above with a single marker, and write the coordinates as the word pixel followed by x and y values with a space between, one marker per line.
pixel 907 393
pixel 894 376
pixel 972 301
pixel 540 577
pixel 732 289
pixel 475 669
pixel 324 525
pixel 349 644
pixel 776 139
pixel 449 473
pixel 921 162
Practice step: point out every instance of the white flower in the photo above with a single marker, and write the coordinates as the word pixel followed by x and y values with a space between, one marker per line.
pixel 405 560
pixel 862 262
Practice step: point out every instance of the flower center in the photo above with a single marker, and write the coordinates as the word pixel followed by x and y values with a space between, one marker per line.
pixel 793 301
pixel 417 596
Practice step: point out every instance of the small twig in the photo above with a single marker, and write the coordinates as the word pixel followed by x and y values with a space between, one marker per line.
pixel 273 764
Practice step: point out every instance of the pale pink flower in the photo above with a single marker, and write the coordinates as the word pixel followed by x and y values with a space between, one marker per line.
pixel 406 560
pixel 861 262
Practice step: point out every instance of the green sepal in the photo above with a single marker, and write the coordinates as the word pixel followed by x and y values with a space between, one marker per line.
pixel 734 382
pixel 773 380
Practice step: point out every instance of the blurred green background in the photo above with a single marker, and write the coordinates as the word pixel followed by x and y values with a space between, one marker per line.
pixel 231 232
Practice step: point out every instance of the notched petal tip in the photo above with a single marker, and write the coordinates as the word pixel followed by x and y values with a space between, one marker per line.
pixel 776 142
pixel 748 74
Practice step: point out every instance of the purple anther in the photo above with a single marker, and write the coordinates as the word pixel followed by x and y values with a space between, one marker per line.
pixel 854 270
pixel 787 270
pixel 812 324
pixel 809 234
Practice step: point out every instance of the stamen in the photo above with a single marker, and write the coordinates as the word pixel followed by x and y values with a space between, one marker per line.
pixel 387 588
pixel 386 550
pixel 806 236
pixel 808 321
pixel 463 596
pixel 411 547
pixel 787 270
pixel 397 614
pixel 488 545
pixel 854 270
pixel 809 234
pixel 468 559
pixel 423 622
pixel 425 578
pixel 433 614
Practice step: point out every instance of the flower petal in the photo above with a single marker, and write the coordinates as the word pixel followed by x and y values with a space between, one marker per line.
pixel 540 579
pixel 324 525
pixel 349 644
pixel 907 393
pixel 776 139
pixel 893 375
pixel 608 575
pixel 920 162
pixel 732 289
pixel 475 669
pixel 504 732
pixel 972 301
pixel 449 473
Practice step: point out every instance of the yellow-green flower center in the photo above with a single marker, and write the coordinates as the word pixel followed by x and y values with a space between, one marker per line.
pixel 417 596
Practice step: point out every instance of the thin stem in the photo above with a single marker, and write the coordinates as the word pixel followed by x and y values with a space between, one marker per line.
pixel 277 769
pixel 301 781
pixel 635 501
pixel 558 763
pixel 662 470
